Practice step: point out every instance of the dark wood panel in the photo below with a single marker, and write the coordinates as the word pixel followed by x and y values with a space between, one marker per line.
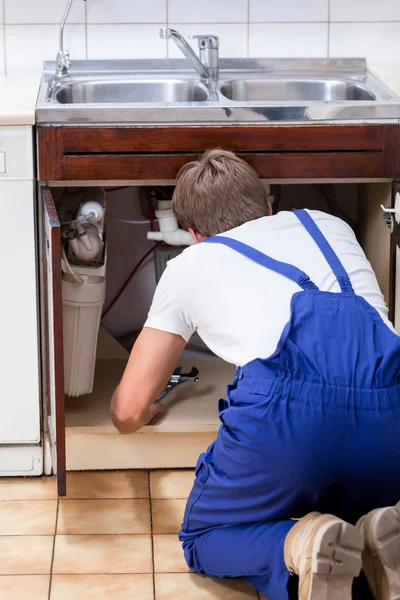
pixel 240 138
pixel 391 151
pixel 52 332
pixel 51 153
pixel 270 166
pixel 394 244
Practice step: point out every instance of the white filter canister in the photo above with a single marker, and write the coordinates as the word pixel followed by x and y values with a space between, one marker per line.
pixel 82 309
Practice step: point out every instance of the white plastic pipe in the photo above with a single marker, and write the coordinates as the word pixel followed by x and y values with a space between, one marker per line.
pixel 87 246
pixel 169 227
pixel 172 238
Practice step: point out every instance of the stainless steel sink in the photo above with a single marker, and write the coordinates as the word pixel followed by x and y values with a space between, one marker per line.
pixel 292 90
pixel 76 91
pixel 160 91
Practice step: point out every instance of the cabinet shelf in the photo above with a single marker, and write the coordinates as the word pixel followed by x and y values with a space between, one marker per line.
pixel 190 408
pixel 175 439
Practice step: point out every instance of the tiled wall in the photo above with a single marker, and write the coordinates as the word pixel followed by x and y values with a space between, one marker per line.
pixel 129 28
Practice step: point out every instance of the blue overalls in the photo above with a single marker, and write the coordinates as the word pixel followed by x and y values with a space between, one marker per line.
pixel 316 426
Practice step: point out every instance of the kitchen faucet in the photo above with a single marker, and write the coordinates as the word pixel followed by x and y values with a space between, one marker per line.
pixel 62 59
pixel 207 64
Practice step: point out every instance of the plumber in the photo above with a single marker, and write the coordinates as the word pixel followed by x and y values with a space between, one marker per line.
pixel 299 490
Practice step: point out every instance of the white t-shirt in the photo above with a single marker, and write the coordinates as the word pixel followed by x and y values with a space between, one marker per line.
pixel 239 308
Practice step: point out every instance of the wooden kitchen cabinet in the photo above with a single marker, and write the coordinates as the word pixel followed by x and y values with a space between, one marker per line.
pixel 84 438
pixel 276 152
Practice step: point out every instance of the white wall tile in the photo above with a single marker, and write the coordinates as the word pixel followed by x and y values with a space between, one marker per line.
pixel 27 46
pixel 377 42
pixel 365 10
pixel 288 40
pixel 126 11
pixel 1 11
pixel 126 41
pixel 288 10
pixel 2 57
pixel 232 38
pixel 42 11
pixel 207 11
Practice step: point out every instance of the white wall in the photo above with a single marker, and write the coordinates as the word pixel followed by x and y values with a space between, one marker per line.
pixel 129 28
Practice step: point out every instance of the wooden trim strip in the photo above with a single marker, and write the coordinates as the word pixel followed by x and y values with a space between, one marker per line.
pixel 51 153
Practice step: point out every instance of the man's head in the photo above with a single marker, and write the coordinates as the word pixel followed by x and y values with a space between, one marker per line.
pixel 217 193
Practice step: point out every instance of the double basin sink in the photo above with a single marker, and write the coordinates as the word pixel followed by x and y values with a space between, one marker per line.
pixel 249 90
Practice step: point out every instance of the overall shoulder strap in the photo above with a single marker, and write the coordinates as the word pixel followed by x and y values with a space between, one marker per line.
pixel 289 271
pixel 330 256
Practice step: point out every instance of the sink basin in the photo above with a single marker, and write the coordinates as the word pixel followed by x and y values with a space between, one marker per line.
pixel 131 91
pixel 292 90
pixel 250 90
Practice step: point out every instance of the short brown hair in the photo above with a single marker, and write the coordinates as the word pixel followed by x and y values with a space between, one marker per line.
pixel 217 193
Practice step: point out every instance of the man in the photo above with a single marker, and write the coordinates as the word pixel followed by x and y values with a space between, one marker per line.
pixel 311 426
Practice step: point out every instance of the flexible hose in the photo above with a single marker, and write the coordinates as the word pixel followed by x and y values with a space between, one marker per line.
pixel 128 280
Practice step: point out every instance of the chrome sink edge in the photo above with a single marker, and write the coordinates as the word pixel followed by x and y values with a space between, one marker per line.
pixel 223 111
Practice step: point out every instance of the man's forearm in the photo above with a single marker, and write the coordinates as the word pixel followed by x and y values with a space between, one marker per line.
pixel 133 422
pixel 152 360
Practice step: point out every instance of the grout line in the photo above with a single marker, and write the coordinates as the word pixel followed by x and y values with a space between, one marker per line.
pixel 95 573
pixel 3 26
pixel 152 539
pixel 29 500
pixel 248 28
pixel 329 29
pixel 167 42
pixel 144 534
pixel 215 22
pixel 86 29
pixel 54 547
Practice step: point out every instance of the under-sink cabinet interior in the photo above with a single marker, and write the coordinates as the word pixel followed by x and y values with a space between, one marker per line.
pixel 97 303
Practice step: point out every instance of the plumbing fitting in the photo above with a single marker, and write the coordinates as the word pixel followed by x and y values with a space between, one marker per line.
pixel 170 233
pixel 63 63
pixel 207 64
pixel 87 244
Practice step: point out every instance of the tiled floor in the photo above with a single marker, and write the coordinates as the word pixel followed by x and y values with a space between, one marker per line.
pixel 115 535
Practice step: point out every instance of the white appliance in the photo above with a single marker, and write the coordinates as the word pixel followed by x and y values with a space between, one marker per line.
pixel 20 432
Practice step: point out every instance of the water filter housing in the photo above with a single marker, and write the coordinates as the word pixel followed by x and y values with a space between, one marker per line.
pixel 82 309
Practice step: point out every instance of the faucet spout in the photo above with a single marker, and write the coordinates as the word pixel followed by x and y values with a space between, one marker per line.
pixel 166 33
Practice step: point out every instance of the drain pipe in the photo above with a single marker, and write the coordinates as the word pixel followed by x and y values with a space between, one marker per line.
pixel 170 233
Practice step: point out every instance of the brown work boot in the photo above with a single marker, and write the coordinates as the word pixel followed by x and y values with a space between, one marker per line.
pixel 381 556
pixel 325 552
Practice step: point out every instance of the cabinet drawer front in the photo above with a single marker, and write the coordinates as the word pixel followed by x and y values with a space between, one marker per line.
pixel 128 167
pixel 233 137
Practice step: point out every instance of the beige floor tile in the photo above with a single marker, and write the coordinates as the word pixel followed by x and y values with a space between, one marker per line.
pixel 167 515
pixel 29 488
pixel 28 518
pixel 102 587
pixel 171 484
pixel 103 516
pixel 26 555
pixel 96 554
pixel 15 587
pixel 107 484
pixel 168 554
pixel 170 586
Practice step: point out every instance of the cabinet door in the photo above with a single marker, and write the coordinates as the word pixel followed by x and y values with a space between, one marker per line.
pixel 52 336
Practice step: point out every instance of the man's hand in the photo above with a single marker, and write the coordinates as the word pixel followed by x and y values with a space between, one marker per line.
pixel 150 366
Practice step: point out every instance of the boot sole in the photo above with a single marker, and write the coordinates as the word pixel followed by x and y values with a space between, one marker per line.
pixel 336 560
pixel 385 530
